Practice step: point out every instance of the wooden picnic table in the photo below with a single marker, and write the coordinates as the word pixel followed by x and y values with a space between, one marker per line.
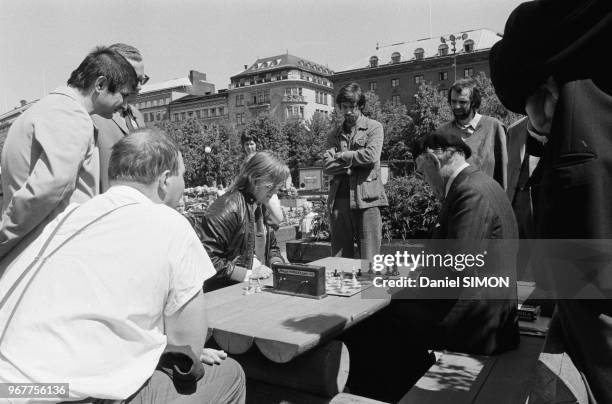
pixel 284 326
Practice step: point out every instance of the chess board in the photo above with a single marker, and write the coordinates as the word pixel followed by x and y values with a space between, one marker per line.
pixel 336 287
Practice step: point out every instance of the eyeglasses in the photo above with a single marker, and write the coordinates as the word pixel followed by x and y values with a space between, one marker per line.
pixel 143 80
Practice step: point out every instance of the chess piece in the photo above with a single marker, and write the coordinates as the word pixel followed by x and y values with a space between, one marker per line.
pixel 370 271
pixel 387 271
pixel 335 273
pixel 354 279
pixel 359 274
pixel 395 271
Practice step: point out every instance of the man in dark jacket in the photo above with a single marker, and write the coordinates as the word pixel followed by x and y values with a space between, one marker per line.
pixel 564 85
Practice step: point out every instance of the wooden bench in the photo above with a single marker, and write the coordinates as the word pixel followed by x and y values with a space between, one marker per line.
pixel 460 378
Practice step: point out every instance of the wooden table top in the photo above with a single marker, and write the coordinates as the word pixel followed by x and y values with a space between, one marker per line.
pixel 284 326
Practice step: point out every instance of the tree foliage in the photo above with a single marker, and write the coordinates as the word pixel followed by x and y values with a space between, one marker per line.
pixel 306 142
pixel 219 165
pixel 269 135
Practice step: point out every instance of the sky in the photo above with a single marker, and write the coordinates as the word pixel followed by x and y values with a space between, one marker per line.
pixel 42 41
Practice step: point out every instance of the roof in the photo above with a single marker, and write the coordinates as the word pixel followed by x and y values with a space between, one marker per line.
pixel 272 63
pixel 192 97
pixel 16 111
pixel 482 38
pixel 165 85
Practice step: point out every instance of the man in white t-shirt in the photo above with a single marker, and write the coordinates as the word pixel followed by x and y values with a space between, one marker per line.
pixel 98 309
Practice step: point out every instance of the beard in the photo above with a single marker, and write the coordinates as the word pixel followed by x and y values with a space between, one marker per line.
pixel 461 114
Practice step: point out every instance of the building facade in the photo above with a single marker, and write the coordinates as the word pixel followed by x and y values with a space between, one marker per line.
pixel 211 109
pixel 395 72
pixel 285 86
pixel 154 99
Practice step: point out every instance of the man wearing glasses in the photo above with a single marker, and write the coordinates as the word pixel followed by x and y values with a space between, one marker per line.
pixel 124 121
pixel 356 191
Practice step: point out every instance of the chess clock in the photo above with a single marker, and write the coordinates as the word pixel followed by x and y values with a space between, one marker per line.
pixel 299 280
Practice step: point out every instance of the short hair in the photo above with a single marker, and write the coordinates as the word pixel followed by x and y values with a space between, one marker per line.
pixel 143 156
pixel 467 84
pixel 247 136
pixel 352 93
pixel 106 62
pixel 127 51
pixel 261 168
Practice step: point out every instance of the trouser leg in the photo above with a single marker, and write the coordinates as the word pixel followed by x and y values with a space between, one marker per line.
pixel 342 229
pixel 369 231
pixel 223 383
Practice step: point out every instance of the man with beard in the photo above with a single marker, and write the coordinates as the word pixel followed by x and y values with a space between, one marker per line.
pixel 485 135
pixel 356 191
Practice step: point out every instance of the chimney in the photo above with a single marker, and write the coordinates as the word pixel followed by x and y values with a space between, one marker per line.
pixel 23 102
pixel 195 76
pixel 245 67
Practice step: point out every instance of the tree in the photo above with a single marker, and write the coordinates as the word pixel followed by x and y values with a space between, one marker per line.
pixel 201 168
pixel 491 105
pixel 430 110
pixel 306 142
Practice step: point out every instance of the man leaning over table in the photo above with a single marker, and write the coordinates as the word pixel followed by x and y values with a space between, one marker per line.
pixel 115 306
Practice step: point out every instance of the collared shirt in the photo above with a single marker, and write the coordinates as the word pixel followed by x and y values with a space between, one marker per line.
pixel 93 316
pixel 453 176
pixel 471 126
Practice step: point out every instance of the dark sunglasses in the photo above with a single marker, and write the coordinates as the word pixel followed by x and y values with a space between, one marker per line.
pixel 143 80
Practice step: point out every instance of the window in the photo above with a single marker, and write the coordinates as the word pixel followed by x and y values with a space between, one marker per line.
pixel 418 79
pixel 159 118
pixel 394 83
pixel 468 72
pixel 373 85
pixel 154 103
pixel 325 98
pixel 221 110
pixel 443 76
pixel 145 116
pixel 468 45
pixel 199 114
pixel 176 117
pixel 190 114
pixel 294 111
pixel 167 101
pixel 151 117
pixel 418 53
pixel 395 100
pixel 395 57
pixel 443 50
pixel 148 104
pixel 205 113
pixel 240 118
pixel 240 100
pixel 374 61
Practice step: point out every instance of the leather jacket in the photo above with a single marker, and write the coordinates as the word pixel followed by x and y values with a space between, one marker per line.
pixel 227 232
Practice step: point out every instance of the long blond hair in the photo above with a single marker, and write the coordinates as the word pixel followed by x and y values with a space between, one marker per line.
pixel 261 168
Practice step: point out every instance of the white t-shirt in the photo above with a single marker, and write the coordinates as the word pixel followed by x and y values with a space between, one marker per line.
pixel 93 315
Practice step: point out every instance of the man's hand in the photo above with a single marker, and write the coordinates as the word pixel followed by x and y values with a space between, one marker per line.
pixel 260 272
pixel 211 356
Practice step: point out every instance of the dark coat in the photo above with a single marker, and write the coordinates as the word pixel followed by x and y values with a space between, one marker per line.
pixel 475 217
pixel 109 132
pixel 227 233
